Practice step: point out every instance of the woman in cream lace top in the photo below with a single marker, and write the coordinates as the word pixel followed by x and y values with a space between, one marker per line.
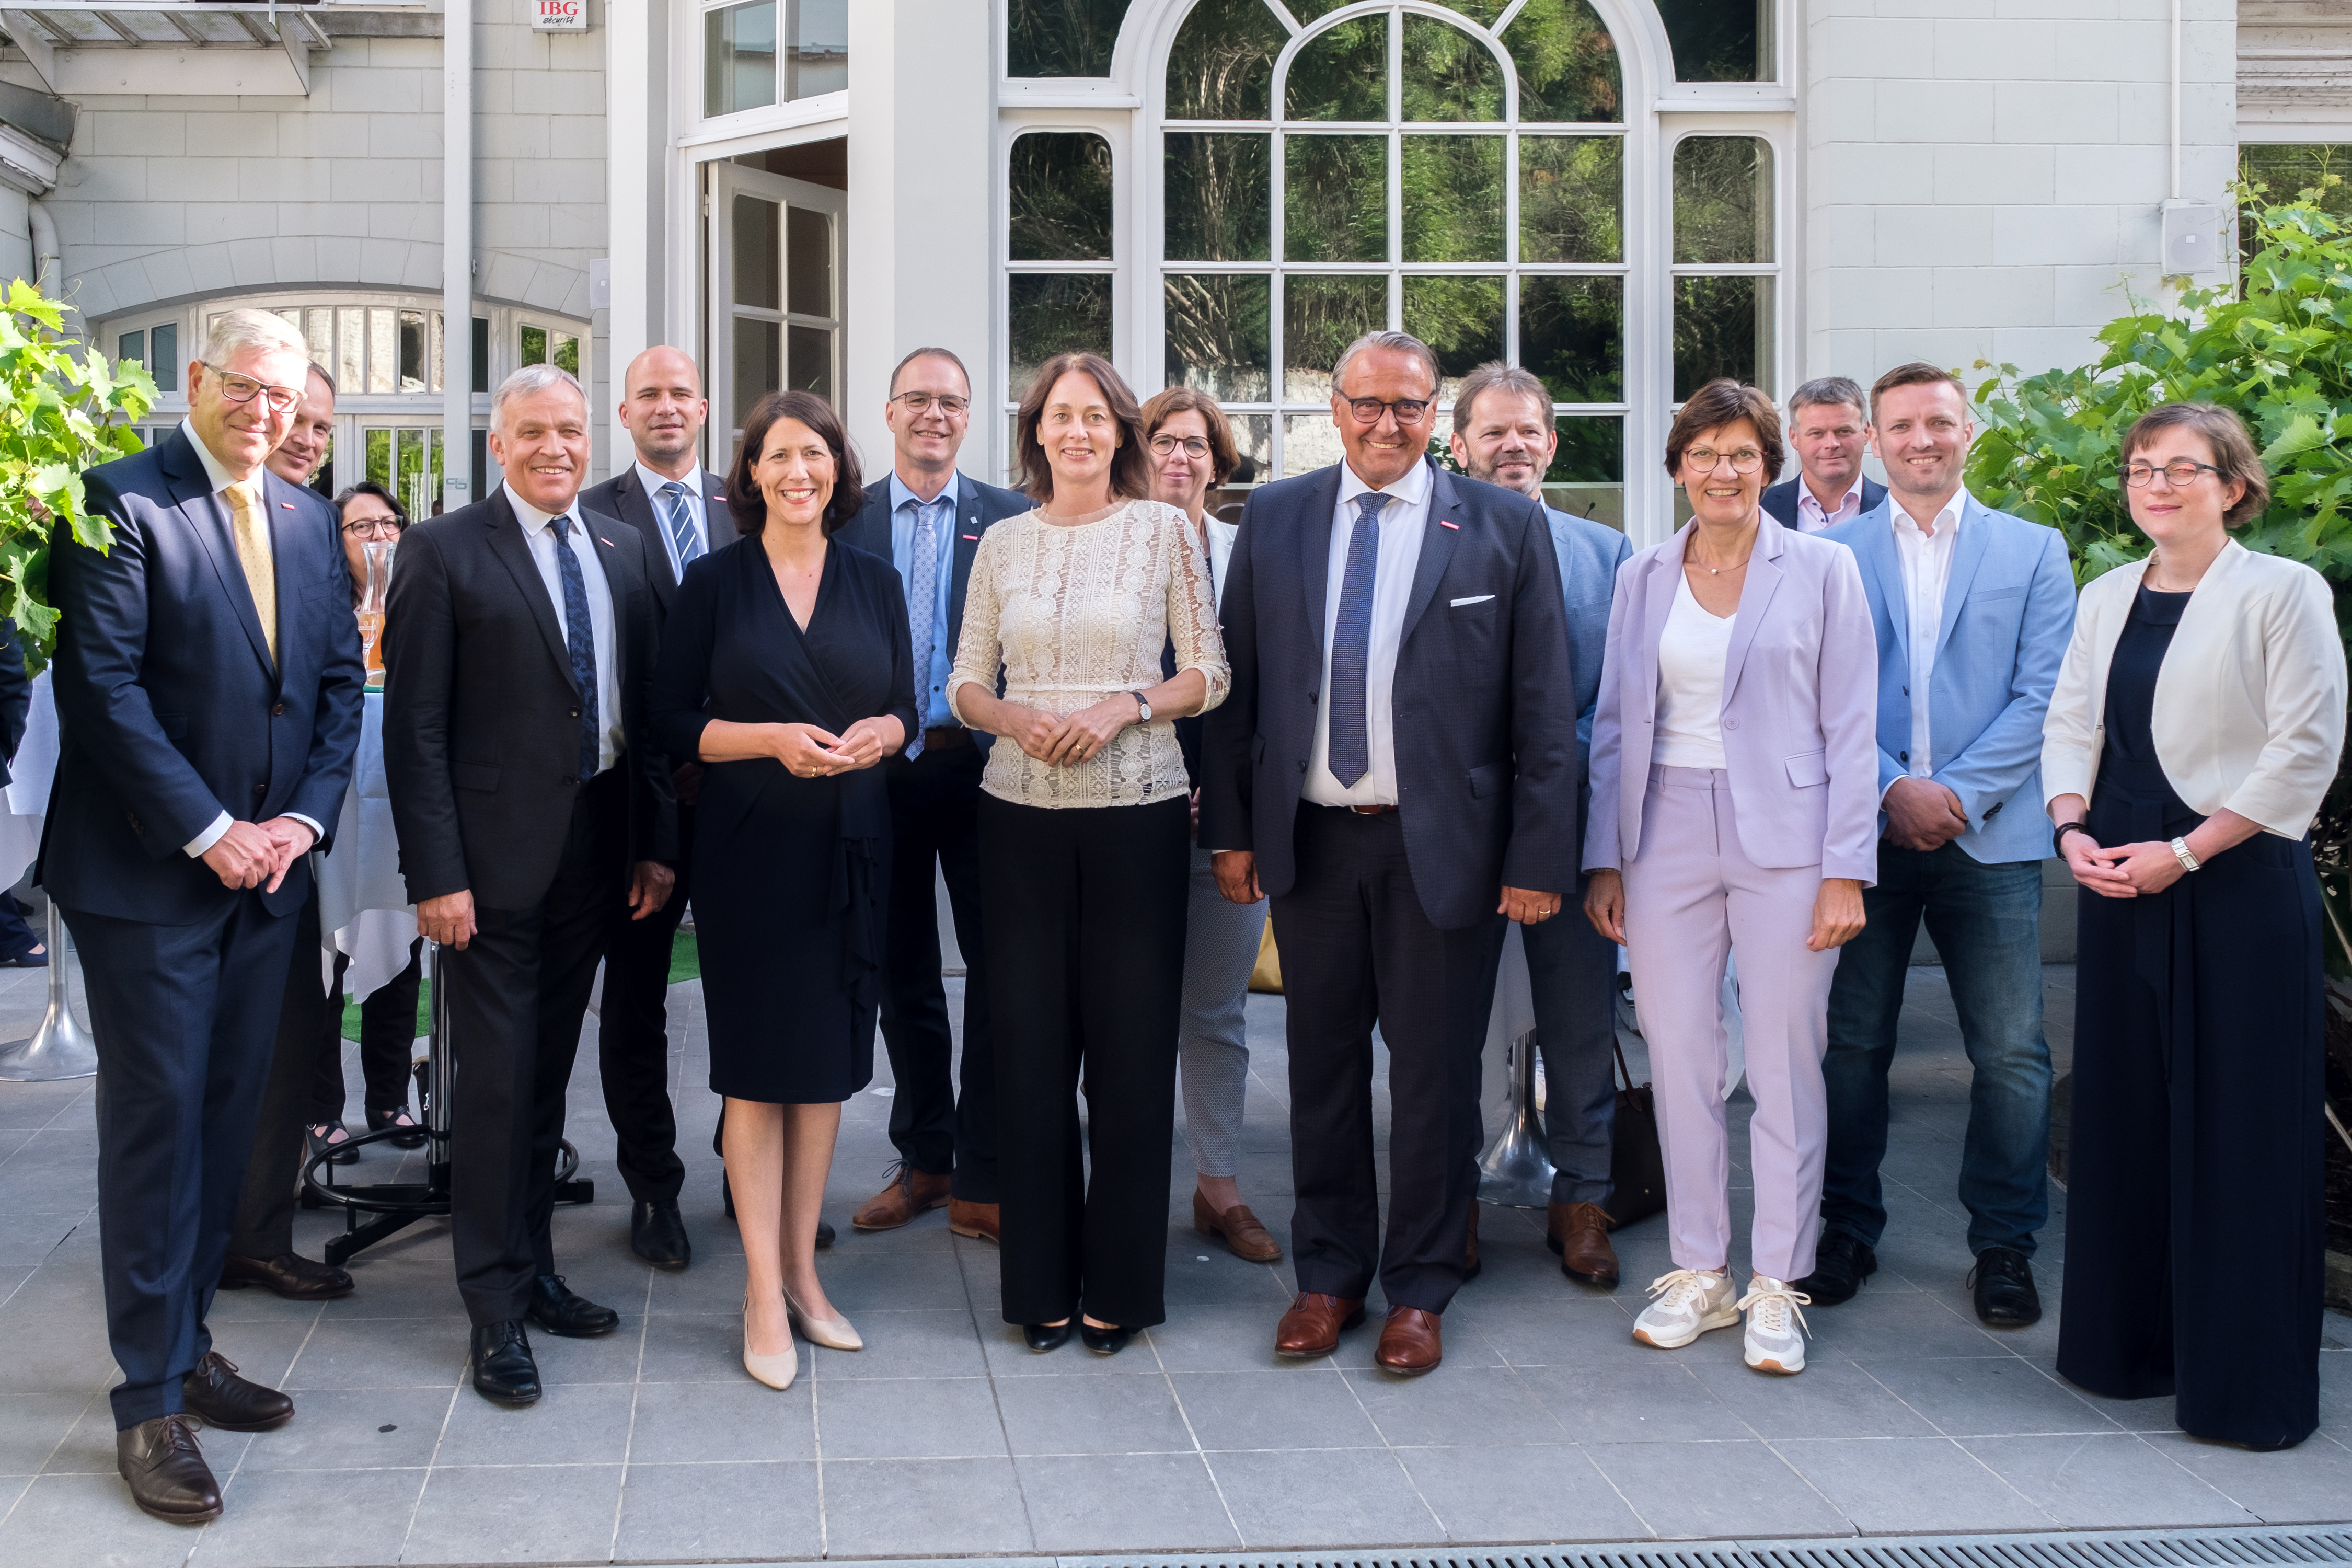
pixel 1082 848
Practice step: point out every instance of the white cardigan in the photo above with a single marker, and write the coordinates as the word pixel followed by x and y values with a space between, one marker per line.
pixel 2249 712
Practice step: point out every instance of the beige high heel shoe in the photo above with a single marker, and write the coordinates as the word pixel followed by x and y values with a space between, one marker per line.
pixel 776 1371
pixel 832 1333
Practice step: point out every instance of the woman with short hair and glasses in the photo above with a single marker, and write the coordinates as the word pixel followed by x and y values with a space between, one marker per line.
pixel 2192 736
pixel 1734 801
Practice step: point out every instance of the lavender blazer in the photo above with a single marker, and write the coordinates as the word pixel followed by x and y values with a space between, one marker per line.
pixel 1800 707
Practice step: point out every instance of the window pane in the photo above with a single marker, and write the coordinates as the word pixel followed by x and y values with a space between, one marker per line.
pixel 1448 73
pixel 164 344
pixel 1060 37
pixel 383 350
pixel 1723 199
pixel 1216 197
pixel 532 346
pixel 1586 476
pixel 808 262
pixel 564 353
pixel 1310 441
pixel 131 346
pixel 1321 316
pixel 1571 198
pixel 811 358
pixel 412 350
pixel 818 59
pixel 1222 67
pixel 1052 314
pixel 1719 40
pixel 738 57
pixel 379 458
pixel 319 331
pixel 1722 327
pixel 1335 202
pixel 1308 11
pixel 1254 451
pixel 759 364
pixel 1461 317
pixel 437 354
pixel 1453 198
pixel 1567 63
pixel 1217 337
pixel 1342 74
pixel 481 365
pixel 1572 336
pixel 758 280
pixel 1061 197
pixel 1481 12
pixel 351 349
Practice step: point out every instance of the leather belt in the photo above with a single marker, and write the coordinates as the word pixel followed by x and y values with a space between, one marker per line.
pixel 1360 810
pixel 946 738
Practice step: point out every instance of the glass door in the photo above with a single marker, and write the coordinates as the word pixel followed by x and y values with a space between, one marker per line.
pixel 775 291
pixel 402 454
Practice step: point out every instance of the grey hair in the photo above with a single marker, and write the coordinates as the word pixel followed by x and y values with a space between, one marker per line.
pixel 235 331
pixel 530 379
pixel 1828 391
pixel 1497 377
pixel 1397 343
pixel 321 372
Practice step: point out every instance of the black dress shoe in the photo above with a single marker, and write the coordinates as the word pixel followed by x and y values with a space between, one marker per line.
pixel 412 1137
pixel 658 1234
pixel 1045 1337
pixel 2003 1281
pixel 166 1470
pixel 289 1274
pixel 503 1367
pixel 1841 1263
pixel 554 1308
pixel 215 1394
pixel 1104 1342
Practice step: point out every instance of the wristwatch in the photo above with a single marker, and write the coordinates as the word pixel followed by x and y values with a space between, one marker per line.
pixel 1142 709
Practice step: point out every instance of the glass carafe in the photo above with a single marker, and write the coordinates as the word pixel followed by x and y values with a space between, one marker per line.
pixel 379 553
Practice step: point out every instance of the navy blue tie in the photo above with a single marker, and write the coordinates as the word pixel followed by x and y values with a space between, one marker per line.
pixel 580 637
pixel 1352 644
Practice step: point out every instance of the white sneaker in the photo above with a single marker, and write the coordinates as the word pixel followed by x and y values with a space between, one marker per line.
pixel 1689 1302
pixel 1776 1324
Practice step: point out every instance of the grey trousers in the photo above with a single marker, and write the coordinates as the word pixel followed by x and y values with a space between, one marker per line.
pixel 1220 944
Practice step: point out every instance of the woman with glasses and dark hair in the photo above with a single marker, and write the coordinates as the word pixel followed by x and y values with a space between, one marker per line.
pixel 2192 736
pixel 786 665
pixel 1735 800
pixel 1082 848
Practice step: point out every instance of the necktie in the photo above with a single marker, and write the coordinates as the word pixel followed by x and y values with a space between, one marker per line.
pixel 681 526
pixel 922 595
pixel 252 533
pixel 1352 644
pixel 580 637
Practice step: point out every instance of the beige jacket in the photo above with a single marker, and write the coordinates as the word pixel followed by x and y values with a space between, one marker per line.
pixel 2249 710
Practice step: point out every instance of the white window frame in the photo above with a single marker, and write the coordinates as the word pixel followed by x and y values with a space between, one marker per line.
pixel 784 114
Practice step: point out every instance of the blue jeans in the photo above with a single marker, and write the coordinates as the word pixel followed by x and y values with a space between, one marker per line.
pixel 1985 923
pixel 1572 979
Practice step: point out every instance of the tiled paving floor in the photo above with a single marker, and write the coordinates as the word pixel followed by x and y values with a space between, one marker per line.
pixel 946 1437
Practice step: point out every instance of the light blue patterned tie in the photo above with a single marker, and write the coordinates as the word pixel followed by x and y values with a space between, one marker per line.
pixel 922 594
pixel 579 641
pixel 1352 644
pixel 681 526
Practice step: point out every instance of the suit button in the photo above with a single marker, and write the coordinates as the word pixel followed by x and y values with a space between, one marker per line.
pixel 1902 756
pixel 1731 724
pixel 261 792
pixel 277 711
pixel 1302 767
pixel 1311 696
pixel 575 713
pixel 1907 691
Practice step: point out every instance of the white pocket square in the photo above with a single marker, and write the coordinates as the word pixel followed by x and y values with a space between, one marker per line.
pixel 1472 599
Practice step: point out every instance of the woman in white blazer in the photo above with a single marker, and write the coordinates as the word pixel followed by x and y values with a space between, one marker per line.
pixel 2194 731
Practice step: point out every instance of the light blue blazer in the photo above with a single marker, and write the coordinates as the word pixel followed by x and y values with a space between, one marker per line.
pixel 1589 553
pixel 2009 611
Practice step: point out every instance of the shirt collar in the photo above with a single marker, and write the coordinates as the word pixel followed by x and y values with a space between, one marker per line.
pixel 1412 490
pixel 535 521
pixel 1805 493
pixel 215 475
pixel 1947 520
pixel 902 496
pixel 653 483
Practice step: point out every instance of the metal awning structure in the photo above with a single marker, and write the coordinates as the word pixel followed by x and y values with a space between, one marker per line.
pixel 177 47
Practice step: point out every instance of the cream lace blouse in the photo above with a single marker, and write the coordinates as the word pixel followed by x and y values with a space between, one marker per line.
pixel 1076 614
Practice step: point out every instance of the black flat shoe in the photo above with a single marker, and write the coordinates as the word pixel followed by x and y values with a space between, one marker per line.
pixel 1104 1342
pixel 1045 1337
pixel 1841 1263
pixel 556 1309
pixel 504 1369
pixel 166 1470
pixel 329 1135
pixel 398 1116
pixel 2005 1296
pixel 658 1234
pixel 218 1397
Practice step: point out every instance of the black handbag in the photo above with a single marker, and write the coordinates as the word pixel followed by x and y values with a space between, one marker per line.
pixel 1637 1167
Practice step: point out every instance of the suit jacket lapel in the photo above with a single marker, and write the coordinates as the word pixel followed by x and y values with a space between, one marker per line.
pixel 967 545
pixel 1967 554
pixel 1755 597
pixel 717 521
pixel 1315 550
pixel 1436 549
pixel 208 518
pixel 1886 568
pixel 620 576
pixel 1665 581
pixel 507 542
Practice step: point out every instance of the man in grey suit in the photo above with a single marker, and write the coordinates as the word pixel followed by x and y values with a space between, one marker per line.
pixel 1504 434
pixel 1395 824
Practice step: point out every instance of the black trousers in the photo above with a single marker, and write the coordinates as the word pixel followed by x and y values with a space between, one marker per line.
pixel 185 1019
pixel 1086 931
pixel 517 993
pixel 935 816
pixel 1357 950
pixel 387 1041
pixel 633 1036
pixel 265 1208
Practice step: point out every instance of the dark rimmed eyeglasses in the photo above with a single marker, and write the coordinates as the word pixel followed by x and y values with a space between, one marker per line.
pixel 1707 459
pixel 374 527
pixel 1408 410
pixel 245 389
pixel 924 402
pixel 1195 446
pixel 2180 474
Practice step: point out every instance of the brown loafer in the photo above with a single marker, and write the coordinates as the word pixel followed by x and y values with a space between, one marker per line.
pixel 1314 1323
pixel 910 1192
pixel 166 1470
pixel 977 1221
pixel 1238 1228
pixel 1470 1264
pixel 289 1274
pixel 1580 1233
pixel 1411 1342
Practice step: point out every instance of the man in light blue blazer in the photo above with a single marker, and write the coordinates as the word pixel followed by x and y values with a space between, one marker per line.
pixel 1504 434
pixel 1973 609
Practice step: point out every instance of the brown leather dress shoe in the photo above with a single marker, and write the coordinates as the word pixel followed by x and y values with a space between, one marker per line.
pixel 1471 1267
pixel 1411 1342
pixel 216 1396
pixel 1238 1228
pixel 910 1192
pixel 1314 1323
pixel 1580 1233
pixel 166 1470
pixel 289 1274
pixel 977 1221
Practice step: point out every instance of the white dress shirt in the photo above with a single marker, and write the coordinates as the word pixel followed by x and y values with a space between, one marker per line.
pixel 1811 516
pixel 1221 535
pixel 1401 522
pixel 1693 649
pixel 1926 558
pixel 541 541
pixel 697 512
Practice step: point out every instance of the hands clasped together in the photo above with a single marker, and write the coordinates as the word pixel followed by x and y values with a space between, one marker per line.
pixel 251 854
pixel 1064 741
pixel 812 752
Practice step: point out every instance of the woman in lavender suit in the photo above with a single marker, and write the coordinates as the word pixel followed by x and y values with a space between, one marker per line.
pixel 1735 802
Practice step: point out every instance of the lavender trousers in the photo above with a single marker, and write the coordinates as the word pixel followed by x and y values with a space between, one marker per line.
pixel 1691 893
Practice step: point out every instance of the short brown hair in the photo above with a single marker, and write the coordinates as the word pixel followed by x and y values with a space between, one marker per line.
pixel 748 507
pixel 2233 449
pixel 1722 402
pixel 1918 373
pixel 1224 457
pixel 1495 376
pixel 948 354
pixel 1130 470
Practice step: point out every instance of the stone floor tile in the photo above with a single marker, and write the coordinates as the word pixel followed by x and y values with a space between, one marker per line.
pixel 1740 1488
pixel 883 1281
pixel 1231 1338
pixel 713 1284
pixel 1911 1486
pixel 571 1423
pixel 32 1424
pixel 1833 1398
pixel 343 1429
pixel 1091 1415
pixel 1999 1396
pixel 1652 1397
pixel 75 1520
pixel 88 1449
pixel 596 1358
pixel 381 1353
pixel 2305 1484
pixel 515 1513
pixel 315 1519
pixel 930 1344
pixel 1124 1502
pixel 698 1347
pixel 1499 1496
pixel 1337 1497
pixel 2106 1482
pixel 1308 1406
pixel 1899 1325
pixel 1579 1326
pixel 924 1508
pixel 1455 1405
pixel 697 1513
pixel 723 1422
pixel 947 1418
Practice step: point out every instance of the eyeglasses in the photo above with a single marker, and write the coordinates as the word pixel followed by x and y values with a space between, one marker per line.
pixel 1707 459
pixel 1408 410
pixel 2180 474
pixel 1194 446
pixel 245 389
pixel 924 402
pixel 373 528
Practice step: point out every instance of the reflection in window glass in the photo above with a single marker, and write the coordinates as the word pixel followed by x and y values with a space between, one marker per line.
pixel 759 267
pixel 437 352
pixel 1453 198
pixel 481 367
pixel 1335 198
pixel 811 359
pixel 1051 313
pixel 817 58
pixel 1061 190
pixel 1572 336
pixel 1586 476
pixel 131 346
pixel 531 346
pixel 808 262
pixel 1216 197
pixel 412 350
pixel 383 349
pixel 1722 327
pixel 351 348
pixel 1482 12
pixel 2320 172
pixel 163 342
pixel 738 57
pixel 1310 441
pixel 1567 63
pixel 1222 67
pixel 1060 37
pixel 1217 337
pixel 759 364
pixel 1719 40
pixel 1448 73
pixel 1461 317
pixel 1253 449
pixel 1571 198
pixel 319 331
pixel 1321 316
pixel 1342 74
pixel 1723 199
pixel 563 351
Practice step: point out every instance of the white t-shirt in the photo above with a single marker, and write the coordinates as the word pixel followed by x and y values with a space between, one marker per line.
pixel 1691 655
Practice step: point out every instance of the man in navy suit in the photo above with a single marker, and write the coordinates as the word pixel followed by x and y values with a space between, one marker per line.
pixel 1830 432
pixel 209 687
pixel 926 519
pixel 1396 767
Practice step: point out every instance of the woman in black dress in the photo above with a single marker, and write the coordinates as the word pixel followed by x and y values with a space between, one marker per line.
pixel 786 667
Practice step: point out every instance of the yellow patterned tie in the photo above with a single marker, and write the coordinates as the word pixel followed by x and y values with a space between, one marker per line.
pixel 253 553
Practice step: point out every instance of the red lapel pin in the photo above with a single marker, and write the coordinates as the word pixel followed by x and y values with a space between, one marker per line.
pixel 1454 526
pixel 605 542
pixel 287 504
pixel 974 537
